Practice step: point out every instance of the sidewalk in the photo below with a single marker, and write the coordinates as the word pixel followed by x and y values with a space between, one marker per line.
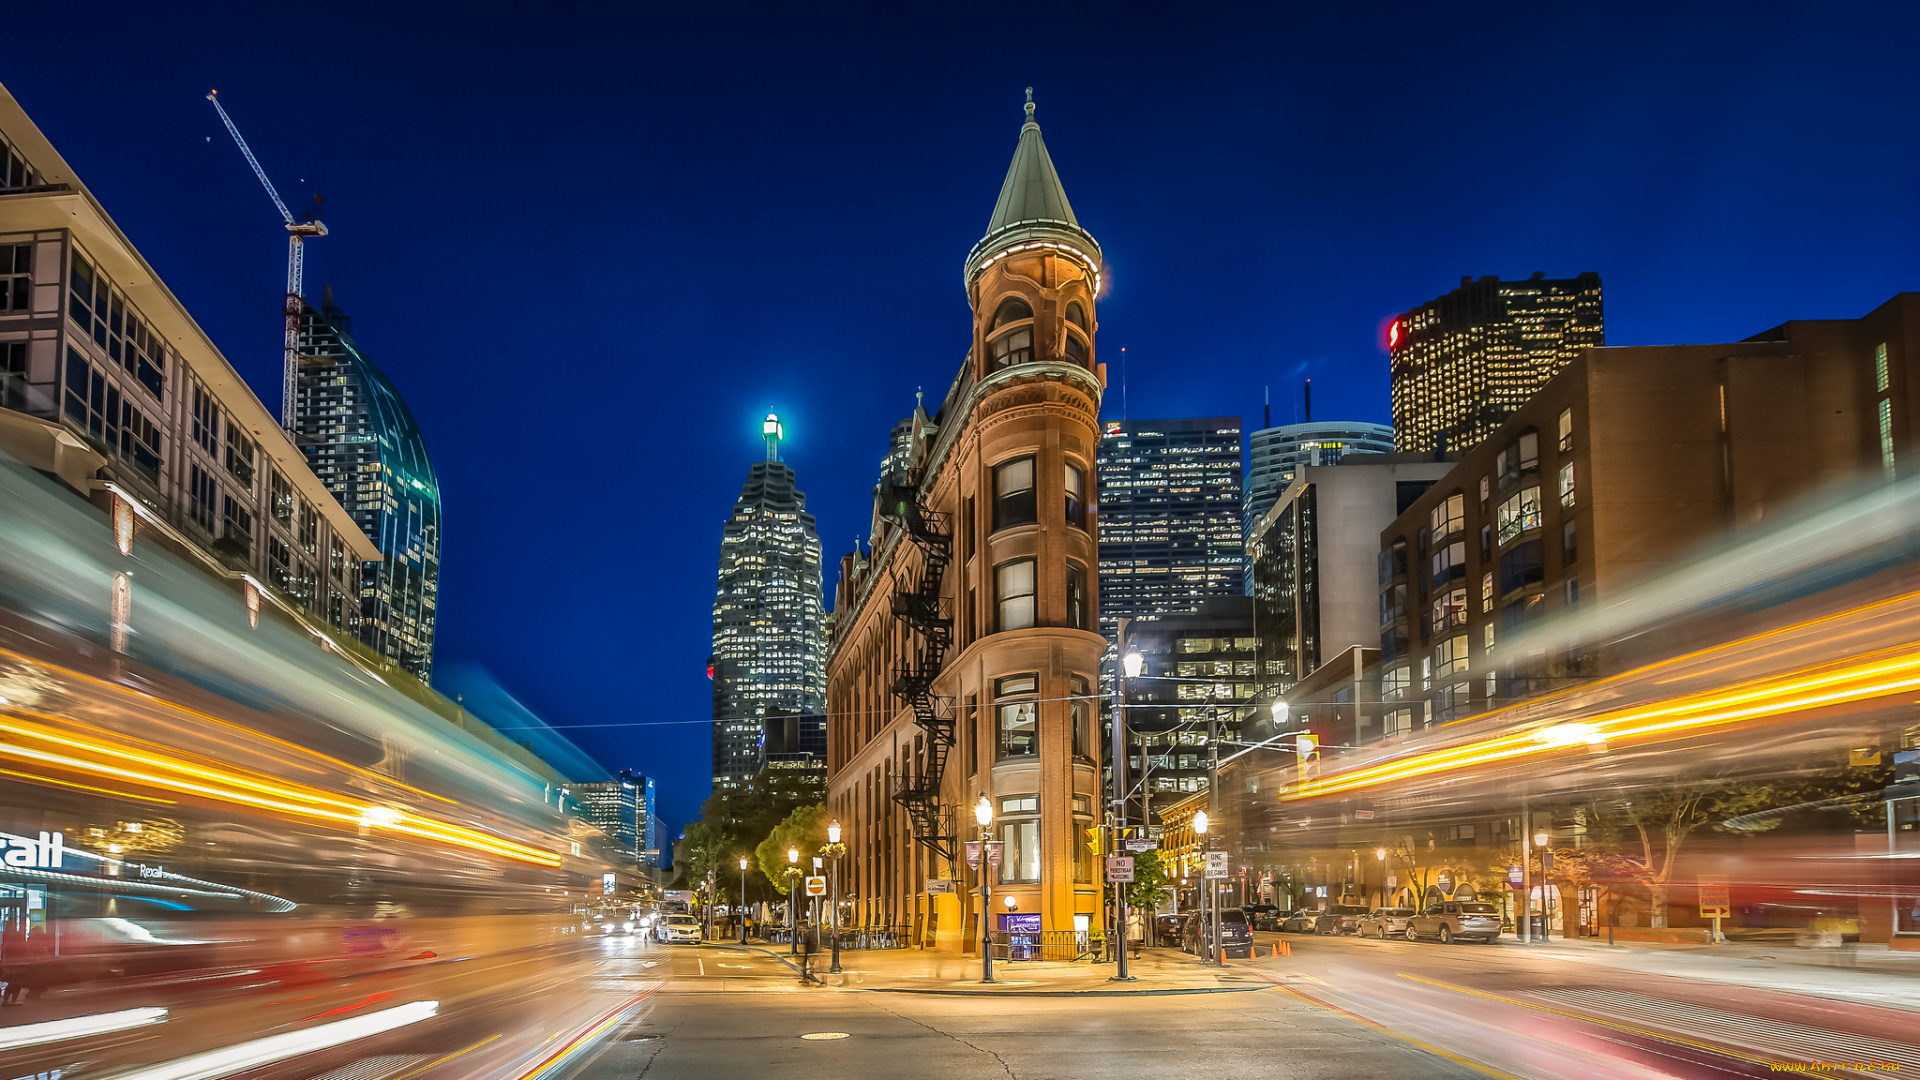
pixel 925 971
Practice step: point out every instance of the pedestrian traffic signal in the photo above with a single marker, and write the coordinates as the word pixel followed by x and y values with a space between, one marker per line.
pixel 1097 839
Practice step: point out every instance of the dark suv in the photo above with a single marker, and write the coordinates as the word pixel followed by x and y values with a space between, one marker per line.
pixel 1263 916
pixel 1340 919
pixel 1236 938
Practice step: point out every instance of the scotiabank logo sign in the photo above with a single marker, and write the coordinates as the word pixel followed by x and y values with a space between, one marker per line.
pixel 46 853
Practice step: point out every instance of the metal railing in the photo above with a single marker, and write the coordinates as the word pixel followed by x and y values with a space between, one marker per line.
pixel 851 937
pixel 1012 945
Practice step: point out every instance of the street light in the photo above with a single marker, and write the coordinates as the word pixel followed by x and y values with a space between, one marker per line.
pixel 983 813
pixel 743 899
pixel 1210 899
pixel 1540 840
pixel 793 932
pixel 1279 710
pixel 833 851
pixel 1130 667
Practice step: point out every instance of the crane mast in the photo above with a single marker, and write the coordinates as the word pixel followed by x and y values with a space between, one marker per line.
pixel 297 234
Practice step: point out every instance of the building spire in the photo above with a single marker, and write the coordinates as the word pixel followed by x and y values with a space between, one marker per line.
pixel 1032 206
pixel 1030 118
pixel 771 429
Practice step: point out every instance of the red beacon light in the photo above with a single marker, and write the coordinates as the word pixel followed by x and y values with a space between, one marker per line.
pixel 1396 334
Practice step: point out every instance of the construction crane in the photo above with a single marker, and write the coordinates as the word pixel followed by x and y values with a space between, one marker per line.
pixel 297 234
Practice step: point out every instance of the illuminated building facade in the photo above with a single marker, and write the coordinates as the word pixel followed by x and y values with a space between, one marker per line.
pixel 109 384
pixel 1171 533
pixel 964 655
pixel 1622 465
pixel 364 444
pixel 1209 656
pixel 769 639
pixel 1277 454
pixel 620 808
pixel 1464 362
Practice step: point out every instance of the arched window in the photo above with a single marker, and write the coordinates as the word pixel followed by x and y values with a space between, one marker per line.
pixel 1014 347
pixel 1012 309
pixel 1075 349
pixel 1077 315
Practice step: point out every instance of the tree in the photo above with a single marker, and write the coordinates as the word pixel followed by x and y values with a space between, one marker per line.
pixel 733 821
pixel 1149 888
pixel 805 829
pixel 1648 830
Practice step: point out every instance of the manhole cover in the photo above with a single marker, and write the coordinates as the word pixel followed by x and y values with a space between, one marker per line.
pixel 824 1035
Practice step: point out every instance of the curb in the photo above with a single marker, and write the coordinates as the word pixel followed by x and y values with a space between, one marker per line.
pixel 735 947
pixel 1170 992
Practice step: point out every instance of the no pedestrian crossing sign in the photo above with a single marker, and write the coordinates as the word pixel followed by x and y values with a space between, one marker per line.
pixel 816 886
pixel 1217 865
pixel 1119 868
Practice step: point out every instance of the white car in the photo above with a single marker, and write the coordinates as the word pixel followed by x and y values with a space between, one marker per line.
pixel 678 928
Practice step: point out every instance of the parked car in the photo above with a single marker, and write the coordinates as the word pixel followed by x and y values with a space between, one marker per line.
pixel 1340 919
pixel 1236 937
pixel 1298 922
pixel 1385 922
pixel 1456 920
pixel 677 928
pixel 1166 930
pixel 1262 916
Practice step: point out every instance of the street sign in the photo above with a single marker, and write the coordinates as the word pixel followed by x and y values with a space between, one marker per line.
pixel 1713 898
pixel 1444 882
pixel 816 886
pixel 1516 876
pixel 940 886
pixel 994 848
pixel 1119 868
pixel 1143 845
pixel 1217 865
pixel 1363 815
pixel 973 854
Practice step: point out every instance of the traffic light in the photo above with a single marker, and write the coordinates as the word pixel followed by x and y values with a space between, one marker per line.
pixel 1097 839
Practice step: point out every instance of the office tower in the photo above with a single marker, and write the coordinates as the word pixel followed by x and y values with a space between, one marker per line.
pixel 1276 454
pixel 362 441
pixel 983 549
pixel 108 383
pixel 1462 363
pixel 768 625
pixel 1170 527
pixel 1194 665
pixel 615 806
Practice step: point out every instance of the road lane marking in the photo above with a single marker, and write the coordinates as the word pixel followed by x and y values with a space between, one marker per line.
pixel 702 963
pixel 1384 1030
pixel 79 1026
pixel 255 1053
pixel 1631 1029
pixel 444 1060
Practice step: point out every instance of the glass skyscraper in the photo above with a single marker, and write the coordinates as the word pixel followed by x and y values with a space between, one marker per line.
pixel 1277 454
pixel 769 639
pixel 361 440
pixel 1170 525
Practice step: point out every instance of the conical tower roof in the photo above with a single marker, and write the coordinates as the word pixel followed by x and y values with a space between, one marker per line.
pixel 1033 205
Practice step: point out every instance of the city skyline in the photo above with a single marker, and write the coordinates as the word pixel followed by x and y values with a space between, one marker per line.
pixel 1717 276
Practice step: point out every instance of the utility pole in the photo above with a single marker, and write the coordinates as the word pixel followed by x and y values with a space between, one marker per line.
pixel 1213 803
pixel 1114 843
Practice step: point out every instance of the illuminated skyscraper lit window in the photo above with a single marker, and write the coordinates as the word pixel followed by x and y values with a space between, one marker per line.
pixel 1464 362
pixel 1170 526
pixel 362 441
pixel 1277 454
pixel 769 641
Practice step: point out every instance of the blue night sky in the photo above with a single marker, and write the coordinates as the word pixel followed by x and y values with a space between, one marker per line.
pixel 593 246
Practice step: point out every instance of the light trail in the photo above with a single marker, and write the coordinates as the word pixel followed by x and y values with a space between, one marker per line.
pixel 1756 699
pixel 78 1027
pixel 103 759
pixel 258 1052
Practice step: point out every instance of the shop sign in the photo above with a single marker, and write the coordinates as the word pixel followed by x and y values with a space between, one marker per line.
pixel 940 886
pixel 46 853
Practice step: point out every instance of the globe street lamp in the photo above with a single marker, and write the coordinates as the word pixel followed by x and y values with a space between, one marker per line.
pixel 1279 710
pixel 834 850
pixel 1380 854
pixel 1130 667
pixel 983 813
pixel 793 871
pixel 743 899
pixel 1540 840
pixel 1209 900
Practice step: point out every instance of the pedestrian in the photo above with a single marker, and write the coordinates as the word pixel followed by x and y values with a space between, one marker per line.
pixel 13 962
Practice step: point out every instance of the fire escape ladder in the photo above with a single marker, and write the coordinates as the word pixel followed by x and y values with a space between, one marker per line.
pixel 919 605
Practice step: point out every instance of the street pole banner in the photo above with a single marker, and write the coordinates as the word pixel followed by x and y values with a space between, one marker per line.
pixel 994 847
pixel 816 886
pixel 1119 868
pixel 973 854
pixel 606 884
pixel 1217 865
pixel 1516 876
pixel 939 886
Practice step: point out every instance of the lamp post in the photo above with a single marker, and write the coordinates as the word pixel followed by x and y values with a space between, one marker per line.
pixel 743 899
pixel 1540 840
pixel 833 852
pixel 1210 899
pixel 1130 666
pixel 983 813
pixel 793 930
pixel 1380 855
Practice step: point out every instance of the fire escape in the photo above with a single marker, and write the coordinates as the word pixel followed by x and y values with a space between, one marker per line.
pixel 919 605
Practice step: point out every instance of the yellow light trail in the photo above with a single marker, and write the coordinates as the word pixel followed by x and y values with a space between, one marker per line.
pixel 1759 698
pixel 100 758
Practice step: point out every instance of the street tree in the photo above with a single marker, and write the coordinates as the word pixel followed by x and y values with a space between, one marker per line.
pixel 804 829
